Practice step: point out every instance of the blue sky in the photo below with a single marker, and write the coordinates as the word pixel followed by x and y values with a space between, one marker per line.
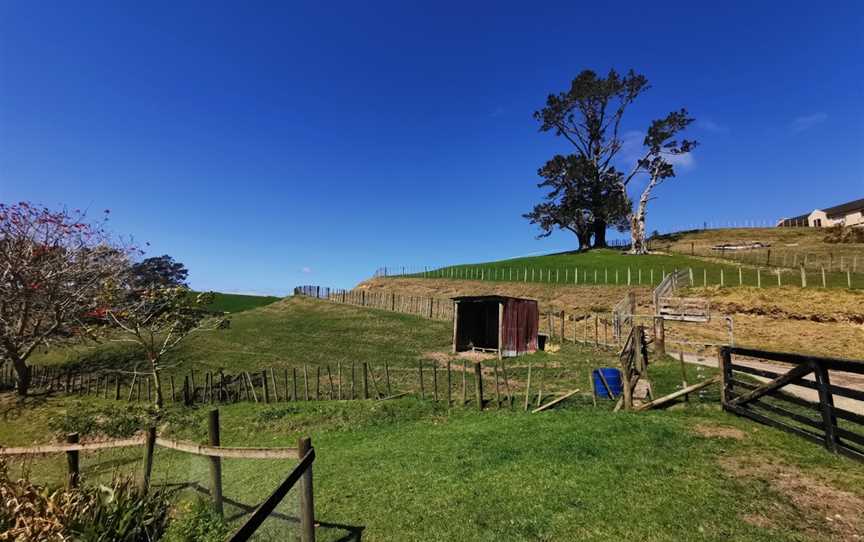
pixel 269 144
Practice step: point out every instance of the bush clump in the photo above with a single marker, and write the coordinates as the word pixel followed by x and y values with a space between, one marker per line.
pixel 118 512
pixel 196 521
pixel 111 421
pixel 843 234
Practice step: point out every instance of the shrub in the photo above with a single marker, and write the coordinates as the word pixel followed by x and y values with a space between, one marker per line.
pixel 197 521
pixel 842 234
pixel 111 421
pixel 118 512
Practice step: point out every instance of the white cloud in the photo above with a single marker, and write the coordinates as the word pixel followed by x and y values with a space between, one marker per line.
pixel 807 121
pixel 711 126
pixel 306 269
pixel 632 150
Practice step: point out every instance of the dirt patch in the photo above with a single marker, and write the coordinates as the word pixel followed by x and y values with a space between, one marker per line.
pixel 824 511
pixel 759 520
pixel 720 431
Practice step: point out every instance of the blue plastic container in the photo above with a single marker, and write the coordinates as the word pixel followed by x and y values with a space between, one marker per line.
pixel 613 378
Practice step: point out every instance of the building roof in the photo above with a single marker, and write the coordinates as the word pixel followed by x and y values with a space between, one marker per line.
pixel 845 208
pixel 489 298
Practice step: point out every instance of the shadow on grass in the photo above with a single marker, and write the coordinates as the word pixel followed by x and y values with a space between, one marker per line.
pixel 345 533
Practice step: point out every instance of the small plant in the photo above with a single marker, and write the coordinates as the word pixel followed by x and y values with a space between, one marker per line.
pixel 196 521
pixel 118 512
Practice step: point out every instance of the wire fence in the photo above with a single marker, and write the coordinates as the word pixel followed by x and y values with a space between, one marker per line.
pixel 742 273
pixel 245 477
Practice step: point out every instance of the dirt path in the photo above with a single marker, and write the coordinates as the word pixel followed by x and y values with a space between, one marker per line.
pixel 846 380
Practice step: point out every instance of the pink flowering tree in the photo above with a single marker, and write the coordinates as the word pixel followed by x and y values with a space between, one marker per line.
pixel 54 268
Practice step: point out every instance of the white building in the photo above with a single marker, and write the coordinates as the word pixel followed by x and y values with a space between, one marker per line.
pixel 847 214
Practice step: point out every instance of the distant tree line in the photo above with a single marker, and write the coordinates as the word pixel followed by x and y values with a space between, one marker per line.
pixel 587 192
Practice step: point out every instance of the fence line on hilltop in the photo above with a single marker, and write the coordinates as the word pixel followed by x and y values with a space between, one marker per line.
pixel 739 273
pixel 843 260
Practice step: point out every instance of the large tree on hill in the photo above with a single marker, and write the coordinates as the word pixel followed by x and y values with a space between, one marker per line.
pixel 589 115
pixel 576 202
pixel 53 267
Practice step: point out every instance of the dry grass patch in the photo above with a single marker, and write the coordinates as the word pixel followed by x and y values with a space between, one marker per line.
pixel 720 431
pixel 816 507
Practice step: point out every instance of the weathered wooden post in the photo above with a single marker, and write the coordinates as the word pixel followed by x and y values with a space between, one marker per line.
pixel 449 386
pixel 660 335
pixel 478 384
pixel 307 501
pixel 420 376
pixel 149 445
pixel 365 380
pixel 73 473
pixel 215 462
pixel 265 386
pixel 724 361
pixel 826 402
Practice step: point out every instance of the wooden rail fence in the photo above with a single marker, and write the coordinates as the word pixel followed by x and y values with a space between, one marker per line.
pixel 214 452
pixel 839 429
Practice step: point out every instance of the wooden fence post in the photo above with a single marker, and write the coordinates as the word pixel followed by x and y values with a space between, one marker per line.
pixel 464 382
pixel 266 387
pixel 826 402
pixel 420 374
pixel 660 335
pixel 149 445
pixel 73 473
pixel 724 360
pixel 307 502
pixel 215 463
pixel 478 384
pixel 449 386
pixel 365 380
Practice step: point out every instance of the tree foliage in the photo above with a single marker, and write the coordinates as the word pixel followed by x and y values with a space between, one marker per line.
pixel 576 202
pixel 53 267
pixel 158 318
pixel 159 271
pixel 589 116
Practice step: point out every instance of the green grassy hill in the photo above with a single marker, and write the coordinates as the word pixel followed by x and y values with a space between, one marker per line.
pixel 232 303
pixel 614 267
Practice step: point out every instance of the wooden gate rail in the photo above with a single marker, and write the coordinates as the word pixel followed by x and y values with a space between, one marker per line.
pixel 245 531
pixel 214 452
pixel 748 399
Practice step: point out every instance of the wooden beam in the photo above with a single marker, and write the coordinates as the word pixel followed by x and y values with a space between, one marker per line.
pixel 552 403
pixel 672 396
pixel 788 378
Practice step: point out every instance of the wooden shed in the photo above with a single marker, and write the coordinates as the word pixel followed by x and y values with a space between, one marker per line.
pixel 506 325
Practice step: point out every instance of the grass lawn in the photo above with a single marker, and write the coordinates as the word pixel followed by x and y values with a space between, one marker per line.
pixel 614 267
pixel 412 469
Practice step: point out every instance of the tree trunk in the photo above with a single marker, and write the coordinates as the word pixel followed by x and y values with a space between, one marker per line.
pixel 600 234
pixel 637 221
pixel 157 382
pixel 22 376
pixel 584 237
